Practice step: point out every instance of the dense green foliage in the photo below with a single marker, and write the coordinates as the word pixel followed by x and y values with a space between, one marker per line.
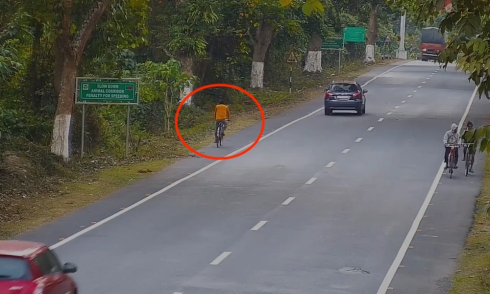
pixel 151 40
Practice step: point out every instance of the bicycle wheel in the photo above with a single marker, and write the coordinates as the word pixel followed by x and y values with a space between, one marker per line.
pixel 451 165
pixel 218 136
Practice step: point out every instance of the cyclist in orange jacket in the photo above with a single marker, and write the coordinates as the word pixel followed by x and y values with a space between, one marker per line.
pixel 221 114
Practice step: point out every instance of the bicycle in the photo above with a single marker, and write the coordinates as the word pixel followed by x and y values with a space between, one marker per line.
pixel 469 157
pixel 220 131
pixel 452 158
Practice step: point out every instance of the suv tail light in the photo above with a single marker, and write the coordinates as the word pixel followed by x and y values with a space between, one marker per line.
pixel 328 95
pixel 357 95
pixel 39 289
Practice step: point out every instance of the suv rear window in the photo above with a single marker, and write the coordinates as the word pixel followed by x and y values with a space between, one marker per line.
pixel 343 87
pixel 14 268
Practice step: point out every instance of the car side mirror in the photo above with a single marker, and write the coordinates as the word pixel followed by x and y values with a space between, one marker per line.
pixel 69 268
pixel 364 91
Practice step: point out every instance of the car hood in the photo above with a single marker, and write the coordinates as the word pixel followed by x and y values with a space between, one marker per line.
pixel 16 287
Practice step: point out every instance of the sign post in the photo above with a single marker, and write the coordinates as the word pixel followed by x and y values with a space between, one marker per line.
pixel 334 44
pixel 291 59
pixel 106 91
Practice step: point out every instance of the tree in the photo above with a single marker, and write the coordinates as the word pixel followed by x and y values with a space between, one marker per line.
pixel 317 28
pixel 77 23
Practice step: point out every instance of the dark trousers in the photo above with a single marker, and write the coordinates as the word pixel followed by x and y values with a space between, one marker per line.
pixel 216 128
pixel 446 155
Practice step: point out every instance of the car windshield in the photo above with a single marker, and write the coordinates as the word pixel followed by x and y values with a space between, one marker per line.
pixel 343 88
pixel 14 268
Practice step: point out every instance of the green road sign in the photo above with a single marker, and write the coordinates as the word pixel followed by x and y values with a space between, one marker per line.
pixel 107 91
pixel 332 44
pixel 355 35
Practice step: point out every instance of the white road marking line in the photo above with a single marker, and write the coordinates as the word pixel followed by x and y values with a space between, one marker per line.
pixel 428 78
pixel 409 96
pixel 164 189
pixel 404 101
pixel 358 140
pixel 396 107
pixel 330 164
pixel 310 181
pixel 345 151
pixel 424 82
pixel 220 258
pixel 420 87
pixel 258 226
pixel 415 91
pixel 178 293
pixel 289 200
pixel 380 120
pixel 389 113
pixel 403 249
pixel 370 129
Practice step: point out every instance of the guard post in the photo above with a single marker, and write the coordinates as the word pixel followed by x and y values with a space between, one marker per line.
pixel 106 91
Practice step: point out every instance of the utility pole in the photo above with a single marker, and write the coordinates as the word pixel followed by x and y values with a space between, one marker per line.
pixel 401 53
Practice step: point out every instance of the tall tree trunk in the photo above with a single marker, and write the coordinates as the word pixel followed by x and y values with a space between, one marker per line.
pixel 262 41
pixel 372 34
pixel 72 54
pixel 33 74
pixel 61 141
pixel 313 62
pixel 187 63
pixel 59 60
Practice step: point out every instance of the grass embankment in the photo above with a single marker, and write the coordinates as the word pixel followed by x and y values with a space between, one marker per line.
pixel 96 177
pixel 473 275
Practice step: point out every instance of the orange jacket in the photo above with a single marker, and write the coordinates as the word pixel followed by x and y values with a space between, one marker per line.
pixel 221 112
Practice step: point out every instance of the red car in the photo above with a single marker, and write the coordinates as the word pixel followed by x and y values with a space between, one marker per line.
pixel 32 268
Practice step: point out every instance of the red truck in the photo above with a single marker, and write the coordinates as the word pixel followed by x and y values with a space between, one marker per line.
pixel 432 42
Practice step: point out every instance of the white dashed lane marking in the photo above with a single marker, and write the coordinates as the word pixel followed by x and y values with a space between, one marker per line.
pixel 220 258
pixel 380 120
pixel 389 113
pixel 404 101
pixel 289 200
pixel 358 140
pixel 345 151
pixel 370 129
pixel 415 91
pixel 330 164
pixel 409 95
pixel 258 226
pixel 396 107
pixel 310 181
pixel 420 87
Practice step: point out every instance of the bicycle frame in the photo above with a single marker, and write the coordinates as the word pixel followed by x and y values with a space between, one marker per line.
pixel 451 158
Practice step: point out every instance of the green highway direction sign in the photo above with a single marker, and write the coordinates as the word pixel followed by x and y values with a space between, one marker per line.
pixel 107 91
pixel 355 35
pixel 332 44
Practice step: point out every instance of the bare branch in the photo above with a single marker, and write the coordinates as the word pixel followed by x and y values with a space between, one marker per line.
pixel 92 18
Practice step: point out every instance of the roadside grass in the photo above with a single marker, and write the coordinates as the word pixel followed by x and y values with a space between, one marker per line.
pixel 93 184
pixel 473 275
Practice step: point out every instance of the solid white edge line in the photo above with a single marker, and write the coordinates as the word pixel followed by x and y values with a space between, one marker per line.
pixel 416 223
pixel 289 200
pixel 258 226
pixel 220 258
pixel 111 217
pixel 310 181
pixel 380 120
pixel 330 164
pixel 345 151
pixel 358 140
pixel 370 129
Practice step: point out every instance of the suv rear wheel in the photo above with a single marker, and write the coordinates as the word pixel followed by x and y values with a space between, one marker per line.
pixel 328 111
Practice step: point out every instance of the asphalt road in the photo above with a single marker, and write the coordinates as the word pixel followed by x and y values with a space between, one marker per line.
pixel 321 206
